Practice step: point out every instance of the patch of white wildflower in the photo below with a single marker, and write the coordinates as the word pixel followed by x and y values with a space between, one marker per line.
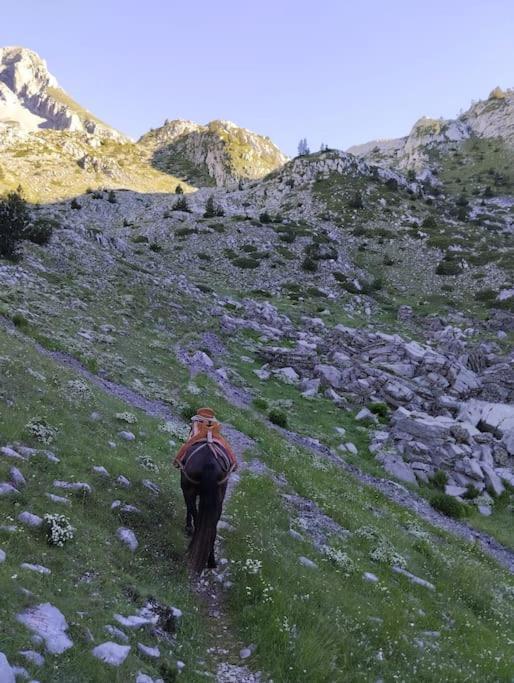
pixel 41 430
pixel 58 529
pixel 130 418
pixel 77 390
pixel 386 554
pixel 341 559
pixel 252 566
pixel 367 533
pixel 178 431
pixel 415 530
pixel 147 462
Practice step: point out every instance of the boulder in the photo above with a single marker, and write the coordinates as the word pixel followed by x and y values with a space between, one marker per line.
pixel 395 466
pixel 329 375
pixel 493 481
pixel 287 375
pixel 111 653
pixel 49 623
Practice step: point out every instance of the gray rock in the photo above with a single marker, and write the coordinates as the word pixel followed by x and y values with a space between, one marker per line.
pixel 287 375
pixel 153 488
pixel 413 578
pixel 116 632
pixel 398 468
pixel 492 480
pixel 47 621
pixel 17 477
pixel 38 568
pixel 329 375
pixel 33 657
pixel 6 672
pixel 29 519
pixel 128 537
pixel 351 448
pixel 201 359
pixel 123 481
pixel 294 534
pixel 127 436
pixel 7 489
pixel 100 470
pixel 2 556
pixel 9 452
pixel 455 491
pixel 368 576
pixel 111 653
pixel 305 562
pixel 58 499
pixel 152 652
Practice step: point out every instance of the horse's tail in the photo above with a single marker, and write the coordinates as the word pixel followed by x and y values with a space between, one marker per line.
pixel 205 528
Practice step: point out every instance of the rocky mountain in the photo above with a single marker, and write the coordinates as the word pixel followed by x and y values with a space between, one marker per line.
pixel 489 119
pixel 219 153
pixel 31 99
pixel 352 324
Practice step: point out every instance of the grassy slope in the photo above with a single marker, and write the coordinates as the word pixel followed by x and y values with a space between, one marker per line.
pixel 157 568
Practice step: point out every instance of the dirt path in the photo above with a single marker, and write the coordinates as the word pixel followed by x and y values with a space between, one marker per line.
pixel 394 491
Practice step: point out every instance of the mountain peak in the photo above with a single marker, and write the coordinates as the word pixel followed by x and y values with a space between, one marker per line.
pixel 31 99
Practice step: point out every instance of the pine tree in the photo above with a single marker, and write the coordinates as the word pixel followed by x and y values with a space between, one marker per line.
pixel 14 224
pixel 179 189
pixel 303 148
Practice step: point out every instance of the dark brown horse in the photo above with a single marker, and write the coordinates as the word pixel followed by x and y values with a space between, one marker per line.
pixel 205 472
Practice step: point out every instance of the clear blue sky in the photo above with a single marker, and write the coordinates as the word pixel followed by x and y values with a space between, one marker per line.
pixel 330 70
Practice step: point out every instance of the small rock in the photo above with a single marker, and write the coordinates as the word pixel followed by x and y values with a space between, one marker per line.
pixel 123 481
pixel 351 448
pixel 33 657
pixel 128 537
pixel 7 489
pixel 115 632
pixel 413 578
pixel 368 576
pixel 17 477
pixel 127 436
pixel 11 453
pixel 152 652
pixel 35 568
pixel 111 653
pixel 79 486
pixel 62 500
pixel 154 488
pixel 2 556
pixel 294 534
pixel 29 519
pixel 100 470
pixel 305 562
pixel 6 673
pixel 245 653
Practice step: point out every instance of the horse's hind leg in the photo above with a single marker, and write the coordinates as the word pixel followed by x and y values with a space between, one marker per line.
pixel 191 511
pixel 211 561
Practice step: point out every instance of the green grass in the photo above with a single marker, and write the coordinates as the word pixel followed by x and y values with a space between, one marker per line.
pixel 156 569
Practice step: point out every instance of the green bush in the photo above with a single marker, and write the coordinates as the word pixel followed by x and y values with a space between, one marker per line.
pixel 179 189
pixel 40 231
pixel 309 265
pixel 471 492
pixel 111 197
pixel 260 403
pixel 140 239
pixel 278 417
pixel 264 217
pixel 380 409
pixel 439 479
pixel 448 267
pixel 155 247
pixel 245 262
pixel 181 205
pixel 20 321
pixel 184 232
pixel 448 505
pixel 356 201
pixel 14 223
pixel 212 209
pixel 429 223
pixel 75 205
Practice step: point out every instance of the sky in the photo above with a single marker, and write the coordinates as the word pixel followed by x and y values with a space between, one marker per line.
pixel 332 71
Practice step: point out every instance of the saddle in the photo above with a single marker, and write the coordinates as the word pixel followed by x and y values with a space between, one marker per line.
pixel 206 429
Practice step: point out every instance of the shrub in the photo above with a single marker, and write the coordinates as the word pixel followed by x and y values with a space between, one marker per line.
pixel 184 232
pixel 40 231
pixel 111 197
pixel 245 262
pixel 380 409
pixel 448 505
pixel 212 209
pixel 392 184
pixel 439 479
pixel 356 201
pixel 181 205
pixel 278 417
pixel 429 223
pixel 448 267
pixel 471 492
pixel 179 189
pixel 309 265
pixel 264 217
pixel 14 223
pixel 75 205
pixel 20 321
pixel 155 247
pixel 260 403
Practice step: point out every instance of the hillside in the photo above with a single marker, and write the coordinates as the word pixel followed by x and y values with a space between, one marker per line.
pixel 351 323
pixel 219 153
